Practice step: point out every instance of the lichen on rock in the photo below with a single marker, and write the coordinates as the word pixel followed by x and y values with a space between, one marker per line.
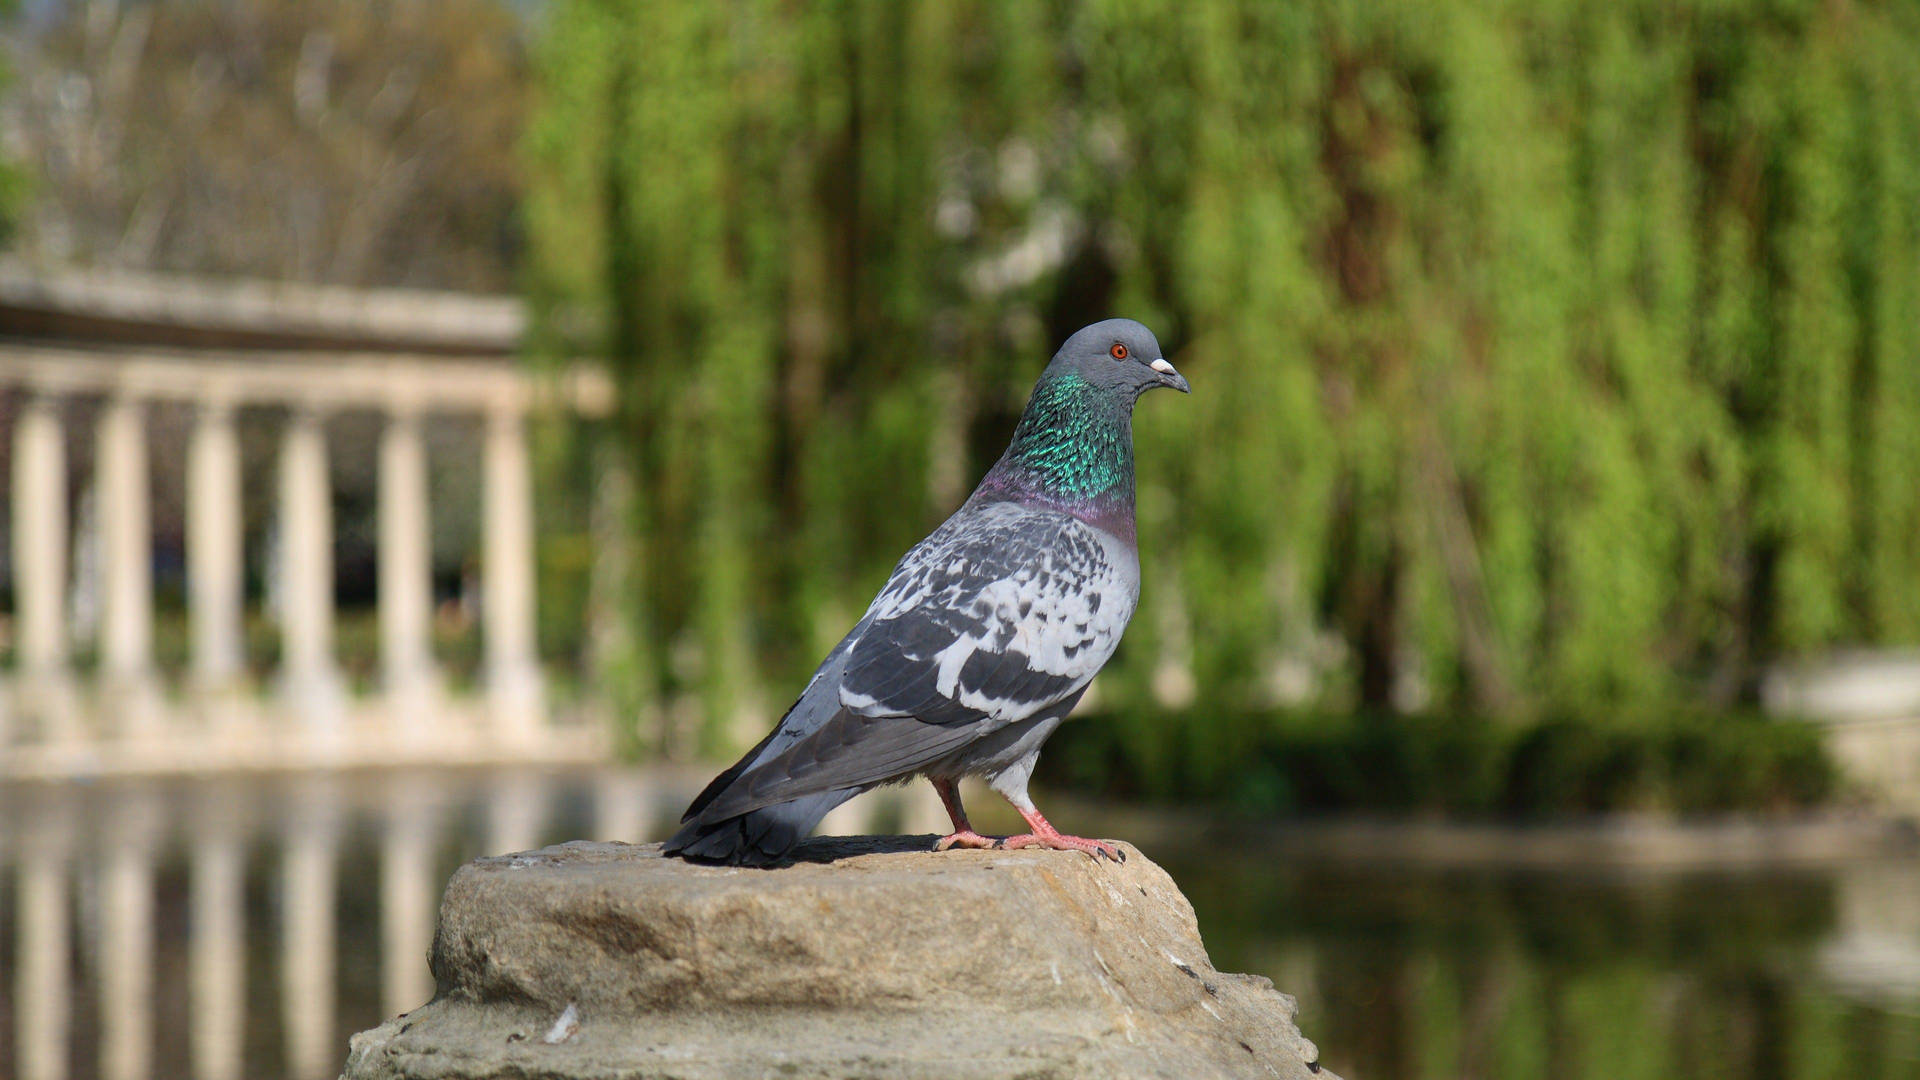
pixel 868 957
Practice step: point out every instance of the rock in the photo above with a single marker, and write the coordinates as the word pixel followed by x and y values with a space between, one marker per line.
pixel 869 957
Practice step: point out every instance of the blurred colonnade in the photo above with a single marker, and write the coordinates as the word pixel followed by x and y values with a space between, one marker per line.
pixel 303 356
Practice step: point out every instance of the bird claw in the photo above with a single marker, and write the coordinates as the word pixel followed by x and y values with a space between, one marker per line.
pixel 965 838
pixel 1099 849
pixel 1043 834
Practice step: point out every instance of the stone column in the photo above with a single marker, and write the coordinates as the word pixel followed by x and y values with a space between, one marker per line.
pixel 513 674
pixel 310 679
pixel 406 569
pixel 215 555
pixel 126 562
pixel 40 565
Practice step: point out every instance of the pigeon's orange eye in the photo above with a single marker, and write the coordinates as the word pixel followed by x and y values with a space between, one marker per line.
pixel 1118 352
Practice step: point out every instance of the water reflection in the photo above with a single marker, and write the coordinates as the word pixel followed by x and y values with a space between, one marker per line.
pixel 308 875
pixel 244 927
pixel 125 888
pixel 41 990
pixel 1875 951
pixel 1423 971
pixel 217 937
pixel 413 818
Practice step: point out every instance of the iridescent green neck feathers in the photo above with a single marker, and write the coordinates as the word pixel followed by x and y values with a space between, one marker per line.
pixel 1074 443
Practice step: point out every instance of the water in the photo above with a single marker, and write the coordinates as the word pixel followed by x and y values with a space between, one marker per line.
pixel 1425 972
pixel 232 928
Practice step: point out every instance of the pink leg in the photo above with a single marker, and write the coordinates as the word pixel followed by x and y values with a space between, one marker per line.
pixel 1045 835
pixel 963 834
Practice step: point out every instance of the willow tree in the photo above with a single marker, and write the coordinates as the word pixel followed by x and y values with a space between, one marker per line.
pixel 1543 352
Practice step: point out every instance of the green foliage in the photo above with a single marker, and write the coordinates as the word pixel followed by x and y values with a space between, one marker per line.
pixel 13 186
pixel 1568 764
pixel 1544 355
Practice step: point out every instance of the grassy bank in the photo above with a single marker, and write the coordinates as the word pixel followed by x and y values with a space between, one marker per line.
pixel 1298 763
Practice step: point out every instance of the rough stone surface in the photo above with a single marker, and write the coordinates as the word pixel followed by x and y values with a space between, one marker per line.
pixel 866 958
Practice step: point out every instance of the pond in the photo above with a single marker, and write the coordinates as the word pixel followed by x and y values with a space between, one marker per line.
pixel 245 927
pixel 1440 972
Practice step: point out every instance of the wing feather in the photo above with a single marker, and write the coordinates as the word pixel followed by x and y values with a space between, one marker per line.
pixel 849 751
pixel 1009 612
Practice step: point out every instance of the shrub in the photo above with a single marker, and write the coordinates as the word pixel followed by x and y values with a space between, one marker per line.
pixel 1296 763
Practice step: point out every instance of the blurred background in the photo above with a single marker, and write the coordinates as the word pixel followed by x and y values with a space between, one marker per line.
pixel 444 428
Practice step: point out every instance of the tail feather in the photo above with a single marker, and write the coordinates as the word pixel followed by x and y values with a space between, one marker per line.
pixel 725 780
pixel 760 837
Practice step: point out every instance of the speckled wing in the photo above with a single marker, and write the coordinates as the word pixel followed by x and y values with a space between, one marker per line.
pixel 1002 612
pixel 994 617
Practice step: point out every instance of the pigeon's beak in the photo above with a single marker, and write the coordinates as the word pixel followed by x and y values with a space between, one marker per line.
pixel 1170 377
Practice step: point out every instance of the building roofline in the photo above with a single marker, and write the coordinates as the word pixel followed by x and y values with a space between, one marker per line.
pixel 151 309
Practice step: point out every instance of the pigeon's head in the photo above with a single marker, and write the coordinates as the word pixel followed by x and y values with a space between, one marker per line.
pixel 1118 355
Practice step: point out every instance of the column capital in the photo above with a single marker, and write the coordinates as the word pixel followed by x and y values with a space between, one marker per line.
pixel 503 416
pixel 42 398
pixel 404 408
pixel 309 411
pixel 217 406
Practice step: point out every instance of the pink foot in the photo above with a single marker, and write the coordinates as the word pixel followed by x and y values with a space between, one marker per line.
pixel 962 835
pixel 965 838
pixel 1045 835
pixel 1099 849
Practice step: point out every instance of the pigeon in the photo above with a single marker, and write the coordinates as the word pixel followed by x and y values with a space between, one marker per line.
pixel 984 637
